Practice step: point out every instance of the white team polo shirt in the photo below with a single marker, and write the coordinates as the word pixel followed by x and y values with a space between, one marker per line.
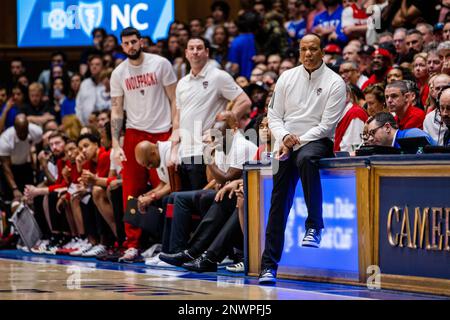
pixel 200 98
pixel 18 150
pixel 145 101
pixel 164 148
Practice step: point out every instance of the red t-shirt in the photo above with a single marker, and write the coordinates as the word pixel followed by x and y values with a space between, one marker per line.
pixel 103 163
pixel 413 118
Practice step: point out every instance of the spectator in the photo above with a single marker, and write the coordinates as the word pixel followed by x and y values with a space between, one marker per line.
pixel 12 107
pixel 427 32
pixel 17 68
pixel 433 121
pixel 444 55
pixel 351 75
pixel 58 58
pixel 196 28
pixel 444 111
pixel 414 41
pixel 98 35
pixel 273 63
pixel 38 111
pixel 374 96
pixel 421 76
pixel 220 46
pixel 381 64
pixel 220 11
pixel 446 31
pixel 243 47
pixel 86 100
pixel 354 19
pixel 296 27
pixel 328 24
pixel 350 53
pixel 406 115
pixel 434 63
pixel 285 65
pixel 399 40
pixel 350 125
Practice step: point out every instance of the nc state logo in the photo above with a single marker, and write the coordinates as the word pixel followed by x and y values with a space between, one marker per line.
pixel 319 91
pixel 205 84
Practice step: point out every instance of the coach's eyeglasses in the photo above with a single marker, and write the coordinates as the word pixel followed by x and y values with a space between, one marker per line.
pixel 371 133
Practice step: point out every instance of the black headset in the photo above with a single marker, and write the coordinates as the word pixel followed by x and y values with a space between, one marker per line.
pixel 438 107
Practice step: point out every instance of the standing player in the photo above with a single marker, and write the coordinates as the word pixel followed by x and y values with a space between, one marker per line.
pixel 143 86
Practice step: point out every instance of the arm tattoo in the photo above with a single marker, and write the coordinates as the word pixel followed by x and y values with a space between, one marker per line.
pixel 116 117
pixel 116 127
pixel 115 102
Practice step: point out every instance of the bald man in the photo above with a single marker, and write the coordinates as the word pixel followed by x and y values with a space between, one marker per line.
pixel 15 149
pixel 305 109
pixel 433 124
pixel 154 156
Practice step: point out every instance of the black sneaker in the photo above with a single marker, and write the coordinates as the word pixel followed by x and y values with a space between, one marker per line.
pixel 312 238
pixel 268 276
pixel 201 264
pixel 176 259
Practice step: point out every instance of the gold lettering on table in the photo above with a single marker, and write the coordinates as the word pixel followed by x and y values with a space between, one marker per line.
pixel 393 239
pixel 447 229
pixel 436 228
pixel 405 231
pixel 421 229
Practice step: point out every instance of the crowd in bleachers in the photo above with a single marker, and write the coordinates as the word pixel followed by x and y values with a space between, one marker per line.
pixel 56 140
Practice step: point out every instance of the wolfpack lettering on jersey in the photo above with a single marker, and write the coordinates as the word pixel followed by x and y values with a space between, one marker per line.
pixel 141 81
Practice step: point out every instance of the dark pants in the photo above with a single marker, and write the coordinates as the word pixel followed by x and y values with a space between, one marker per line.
pixel 228 238
pixel 301 164
pixel 185 205
pixel 211 225
pixel 58 220
pixel 117 205
pixel 193 173
pixel 39 215
pixel 94 224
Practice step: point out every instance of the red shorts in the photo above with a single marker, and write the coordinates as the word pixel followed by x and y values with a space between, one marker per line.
pixel 136 177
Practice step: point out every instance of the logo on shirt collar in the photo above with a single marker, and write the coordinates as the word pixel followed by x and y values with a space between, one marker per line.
pixel 205 84
pixel 143 92
pixel 319 91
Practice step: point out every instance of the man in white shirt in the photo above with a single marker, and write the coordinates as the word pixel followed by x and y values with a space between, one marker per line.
pixel 15 154
pixel 306 106
pixel 433 124
pixel 143 86
pixel 200 96
pixel 86 100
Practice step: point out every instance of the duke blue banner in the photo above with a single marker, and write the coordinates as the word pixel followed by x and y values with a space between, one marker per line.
pixel 339 247
pixel 42 23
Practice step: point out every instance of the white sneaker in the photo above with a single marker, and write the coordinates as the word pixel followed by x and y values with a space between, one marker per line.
pixel 40 247
pixel 130 256
pixel 156 262
pixel 152 250
pixel 83 248
pixel 237 267
pixel 94 251
pixel 22 248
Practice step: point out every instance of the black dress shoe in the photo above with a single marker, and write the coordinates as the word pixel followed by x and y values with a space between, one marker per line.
pixel 176 259
pixel 201 264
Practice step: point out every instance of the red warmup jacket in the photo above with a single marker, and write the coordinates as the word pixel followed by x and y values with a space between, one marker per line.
pixel 355 112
